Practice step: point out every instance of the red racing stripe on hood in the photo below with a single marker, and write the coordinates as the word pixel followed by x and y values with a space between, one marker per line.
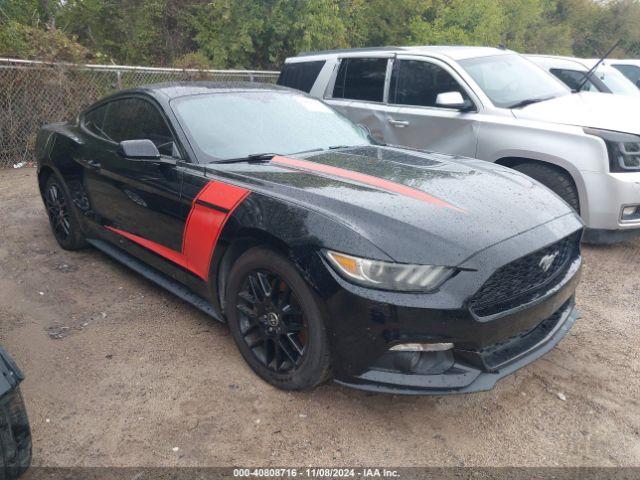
pixel 363 178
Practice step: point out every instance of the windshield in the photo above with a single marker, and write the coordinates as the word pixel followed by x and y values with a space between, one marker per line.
pixel 230 125
pixel 509 80
pixel 616 82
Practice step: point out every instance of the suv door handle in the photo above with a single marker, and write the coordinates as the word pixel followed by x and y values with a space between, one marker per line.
pixel 398 123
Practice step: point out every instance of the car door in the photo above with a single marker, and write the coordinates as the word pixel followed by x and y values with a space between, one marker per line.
pixel 359 91
pixel 135 197
pixel 416 120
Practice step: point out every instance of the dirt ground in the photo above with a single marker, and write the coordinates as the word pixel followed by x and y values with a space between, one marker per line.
pixel 121 373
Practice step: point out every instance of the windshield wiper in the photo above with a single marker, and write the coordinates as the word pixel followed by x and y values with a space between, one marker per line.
pixel 529 101
pixel 313 150
pixel 254 157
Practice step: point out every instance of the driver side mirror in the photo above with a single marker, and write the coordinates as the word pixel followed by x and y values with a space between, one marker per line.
pixel 138 150
pixel 453 100
pixel 638 83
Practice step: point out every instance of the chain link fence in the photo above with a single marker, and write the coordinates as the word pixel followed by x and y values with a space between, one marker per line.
pixel 34 93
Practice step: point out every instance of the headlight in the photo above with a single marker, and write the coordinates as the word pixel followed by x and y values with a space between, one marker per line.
pixel 389 276
pixel 623 149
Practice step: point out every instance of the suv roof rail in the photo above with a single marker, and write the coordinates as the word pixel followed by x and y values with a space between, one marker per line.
pixel 351 50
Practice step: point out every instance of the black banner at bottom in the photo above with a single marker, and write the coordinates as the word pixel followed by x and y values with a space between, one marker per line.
pixel 404 473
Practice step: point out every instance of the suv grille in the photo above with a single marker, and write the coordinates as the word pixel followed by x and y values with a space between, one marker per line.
pixel 509 285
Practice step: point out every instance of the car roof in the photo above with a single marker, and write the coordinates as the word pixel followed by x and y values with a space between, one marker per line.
pixel 624 61
pixel 454 52
pixel 557 61
pixel 172 90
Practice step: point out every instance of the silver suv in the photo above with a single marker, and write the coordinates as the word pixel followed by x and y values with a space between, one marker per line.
pixel 494 105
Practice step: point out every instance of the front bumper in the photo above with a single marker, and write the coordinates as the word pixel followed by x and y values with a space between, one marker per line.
pixel 462 377
pixel 606 195
pixel 488 345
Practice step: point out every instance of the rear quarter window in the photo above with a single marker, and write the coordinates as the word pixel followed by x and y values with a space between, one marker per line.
pixel 300 75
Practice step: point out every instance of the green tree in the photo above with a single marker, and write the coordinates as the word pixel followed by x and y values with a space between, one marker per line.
pixel 531 26
pixel 262 33
pixel 27 30
pixel 460 22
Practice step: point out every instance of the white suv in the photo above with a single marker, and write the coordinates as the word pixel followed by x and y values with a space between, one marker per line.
pixel 494 105
pixel 572 71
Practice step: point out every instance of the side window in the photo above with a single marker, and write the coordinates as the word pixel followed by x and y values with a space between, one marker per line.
pixel 361 79
pixel 630 71
pixel 416 82
pixel 136 119
pixel 93 120
pixel 300 75
pixel 573 78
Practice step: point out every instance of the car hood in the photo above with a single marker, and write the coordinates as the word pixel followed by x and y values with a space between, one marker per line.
pixel 587 109
pixel 414 206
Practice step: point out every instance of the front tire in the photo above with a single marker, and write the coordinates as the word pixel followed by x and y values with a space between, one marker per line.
pixel 62 217
pixel 276 321
pixel 557 181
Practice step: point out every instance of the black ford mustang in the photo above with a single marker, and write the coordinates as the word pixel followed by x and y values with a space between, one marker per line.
pixel 328 254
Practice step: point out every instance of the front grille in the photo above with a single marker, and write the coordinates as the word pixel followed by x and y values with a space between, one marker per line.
pixel 518 282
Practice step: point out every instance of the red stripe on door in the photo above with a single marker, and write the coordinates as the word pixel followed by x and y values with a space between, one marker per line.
pixel 365 179
pixel 202 229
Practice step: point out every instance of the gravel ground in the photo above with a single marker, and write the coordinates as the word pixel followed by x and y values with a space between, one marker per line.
pixel 121 373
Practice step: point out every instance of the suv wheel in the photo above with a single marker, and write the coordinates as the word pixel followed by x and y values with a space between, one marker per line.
pixel 554 179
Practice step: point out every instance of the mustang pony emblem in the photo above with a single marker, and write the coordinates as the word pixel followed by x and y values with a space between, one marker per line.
pixel 546 261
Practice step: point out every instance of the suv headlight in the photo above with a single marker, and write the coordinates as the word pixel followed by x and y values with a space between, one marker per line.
pixel 623 149
pixel 387 275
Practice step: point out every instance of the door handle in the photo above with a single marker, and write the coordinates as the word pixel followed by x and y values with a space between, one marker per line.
pixel 398 123
pixel 94 164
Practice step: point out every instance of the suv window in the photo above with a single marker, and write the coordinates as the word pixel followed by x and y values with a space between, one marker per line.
pixel 573 79
pixel 300 75
pixel 630 71
pixel 361 79
pixel 417 82
pixel 136 119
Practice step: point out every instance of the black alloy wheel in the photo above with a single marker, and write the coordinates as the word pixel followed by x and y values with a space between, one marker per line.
pixel 58 211
pixel 64 224
pixel 272 323
pixel 276 320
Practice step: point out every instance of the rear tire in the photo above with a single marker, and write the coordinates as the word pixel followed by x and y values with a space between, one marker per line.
pixel 276 321
pixel 62 215
pixel 557 181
